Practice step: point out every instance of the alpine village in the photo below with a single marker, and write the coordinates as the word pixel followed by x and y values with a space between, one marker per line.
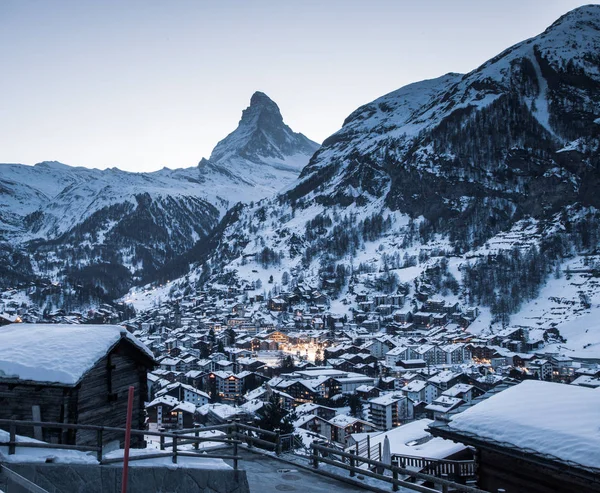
pixel 413 305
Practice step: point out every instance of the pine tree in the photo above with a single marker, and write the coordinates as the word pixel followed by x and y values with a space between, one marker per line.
pixel 355 404
pixel 275 417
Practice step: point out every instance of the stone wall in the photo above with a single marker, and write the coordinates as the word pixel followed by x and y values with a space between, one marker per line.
pixel 83 478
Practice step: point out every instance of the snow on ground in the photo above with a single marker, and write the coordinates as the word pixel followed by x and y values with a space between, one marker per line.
pixel 148 297
pixel 37 351
pixel 65 456
pixel 40 455
pixel 570 304
pixel 182 462
pixel 535 415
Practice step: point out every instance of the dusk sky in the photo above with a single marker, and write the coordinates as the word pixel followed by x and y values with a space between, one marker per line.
pixel 144 84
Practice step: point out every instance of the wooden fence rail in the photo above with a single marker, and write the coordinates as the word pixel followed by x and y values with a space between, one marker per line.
pixel 352 462
pixel 235 433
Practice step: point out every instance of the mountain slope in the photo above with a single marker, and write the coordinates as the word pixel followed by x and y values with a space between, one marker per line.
pixel 67 219
pixel 409 195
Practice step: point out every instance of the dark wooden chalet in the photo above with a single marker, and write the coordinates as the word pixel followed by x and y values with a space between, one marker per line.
pixel 76 374
pixel 535 437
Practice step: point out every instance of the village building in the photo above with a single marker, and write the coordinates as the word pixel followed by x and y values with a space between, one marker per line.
pixel 524 442
pixel 77 374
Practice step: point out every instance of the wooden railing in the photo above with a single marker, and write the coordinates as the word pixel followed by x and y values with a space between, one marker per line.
pixel 235 433
pixel 388 473
pixel 456 470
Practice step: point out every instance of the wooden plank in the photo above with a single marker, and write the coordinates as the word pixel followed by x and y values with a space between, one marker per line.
pixel 66 446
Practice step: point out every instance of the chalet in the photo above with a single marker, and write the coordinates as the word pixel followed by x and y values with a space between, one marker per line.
pixel 423 318
pixel 403 316
pixel 540 369
pixel 396 354
pixel 217 414
pixel 185 413
pixel 161 411
pixel 301 390
pixel 462 391
pixel 366 392
pixel 171 364
pixel 524 443
pixel 265 393
pixel 441 405
pixel 193 378
pixel 420 391
pixel 277 305
pixel 342 426
pixel 186 393
pixel 315 424
pixel 72 374
pixel 446 379
pixel 6 319
pixel 315 409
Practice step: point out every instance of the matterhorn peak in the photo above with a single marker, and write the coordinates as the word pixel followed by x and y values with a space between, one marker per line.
pixel 262 100
pixel 263 136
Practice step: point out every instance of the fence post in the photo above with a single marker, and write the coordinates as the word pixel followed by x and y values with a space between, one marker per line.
pixel 175 438
pixel 352 464
pixel 250 441
pixel 12 439
pixel 368 447
pixel 162 442
pixel 99 443
pixel 235 447
pixel 197 436
pixel 444 486
pixel 278 441
pixel 395 478
pixel 379 447
pixel 315 457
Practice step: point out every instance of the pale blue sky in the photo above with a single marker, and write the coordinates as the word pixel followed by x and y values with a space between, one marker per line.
pixel 145 84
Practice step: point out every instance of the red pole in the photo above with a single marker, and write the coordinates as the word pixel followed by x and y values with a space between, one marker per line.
pixel 127 440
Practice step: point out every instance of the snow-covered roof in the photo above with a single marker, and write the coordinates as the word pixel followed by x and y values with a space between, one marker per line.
pixel 167 400
pixel 534 415
pixel 414 439
pixel 186 407
pixel 56 353
pixel 386 400
pixel 343 420
pixel 459 388
pixel 414 386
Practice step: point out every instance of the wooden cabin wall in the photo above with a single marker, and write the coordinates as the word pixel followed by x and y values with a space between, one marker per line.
pixel 496 471
pixel 56 405
pixel 103 395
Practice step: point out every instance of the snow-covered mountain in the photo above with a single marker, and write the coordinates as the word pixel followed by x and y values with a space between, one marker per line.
pixel 67 218
pixel 478 187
